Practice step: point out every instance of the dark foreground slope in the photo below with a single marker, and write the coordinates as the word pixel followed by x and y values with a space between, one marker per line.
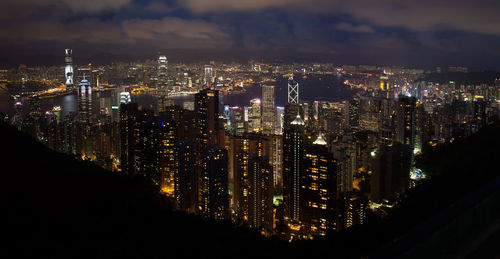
pixel 55 206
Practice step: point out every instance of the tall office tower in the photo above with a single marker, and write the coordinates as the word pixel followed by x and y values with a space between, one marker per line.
pixel 318 189
pixel 214 203
pixel 242 149
pixel 276 159
pixel 17 119
pixel 68 70
pixel 355 210
pixel 260 193
pixel 479 119
pixel 146 136
pixel 255 116
pixel 405 121
pixel 161 73
pixel 128 116
pixel 293 90
pixel 280 120
pixel 165 154
pixel 207 118
pixel 293 166
pixel 85 101
pixel 369 113
pixel 390 172
pixel 186 188
pixel 346 166
pixel 353 113
pixel 268 112
pixel 208 76
pixel 237 121
pixel 162 83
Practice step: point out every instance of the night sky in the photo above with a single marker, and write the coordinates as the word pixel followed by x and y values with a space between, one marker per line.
pixel 413 33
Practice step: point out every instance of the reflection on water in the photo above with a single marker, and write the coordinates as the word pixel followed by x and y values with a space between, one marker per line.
pixel 324 88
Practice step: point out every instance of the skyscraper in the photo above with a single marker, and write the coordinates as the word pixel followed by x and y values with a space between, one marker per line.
pixel 255 116
pixel 186 187
pixel 214 202
pixel 161 73
pixel 207 118
pixel 268 112
pixel 68 70
pixel 293 150
pixel 318 189
pixel 405 121
pixel 260 193
pixel 293 90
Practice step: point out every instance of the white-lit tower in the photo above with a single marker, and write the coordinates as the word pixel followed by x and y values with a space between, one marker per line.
pixel 293 90
pixel 208 76
pixel 68 70
pixel 162 73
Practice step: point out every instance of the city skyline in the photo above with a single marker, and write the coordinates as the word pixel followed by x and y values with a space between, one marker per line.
pixel 251 128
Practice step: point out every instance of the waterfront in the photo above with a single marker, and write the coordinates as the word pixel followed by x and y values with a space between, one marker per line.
pixel 314 87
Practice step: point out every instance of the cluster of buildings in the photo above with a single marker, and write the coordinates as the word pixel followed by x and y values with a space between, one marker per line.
pixel 297 171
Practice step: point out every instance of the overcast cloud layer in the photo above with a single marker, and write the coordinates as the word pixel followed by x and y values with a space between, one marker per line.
pixel 357 31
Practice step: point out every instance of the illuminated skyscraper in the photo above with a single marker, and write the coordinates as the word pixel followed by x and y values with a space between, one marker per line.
pixel 244 148
pixel 208 76
pixel 268 112
pixel 293 90
pixel 255 116
pixel 186 188
pixel 260 193
pixel 85 100
pixel 207 118
pixel 68 70
pixel 318 189
pixel 162 83
pixel 214 202
pixel 405 121
pixel 293 150
pixel 161 73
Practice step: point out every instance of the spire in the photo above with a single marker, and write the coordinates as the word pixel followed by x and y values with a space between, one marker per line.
pixel 297 121
pixel 320 140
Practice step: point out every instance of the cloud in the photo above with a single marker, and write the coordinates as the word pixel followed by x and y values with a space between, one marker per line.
pixel 362 28
pixel 425 15
pixel 176 32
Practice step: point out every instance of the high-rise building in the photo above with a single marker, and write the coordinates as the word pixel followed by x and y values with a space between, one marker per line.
pixel 255 116
pixel 293 90
pixel 405 121
pixel 236 121
pixel 165 154
pixel 293 166
pixel 355 210
pixel 68 70
pixel 208 76
pixel 243 148
pixel 260 193
pixel 390 172
pixel 214 203
pixel 207 118
pixel 369 113
pixel 128 115
pixel 161 73
pixel 318 189
pixel 268 111
pixel 353 113
pixel 186 188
